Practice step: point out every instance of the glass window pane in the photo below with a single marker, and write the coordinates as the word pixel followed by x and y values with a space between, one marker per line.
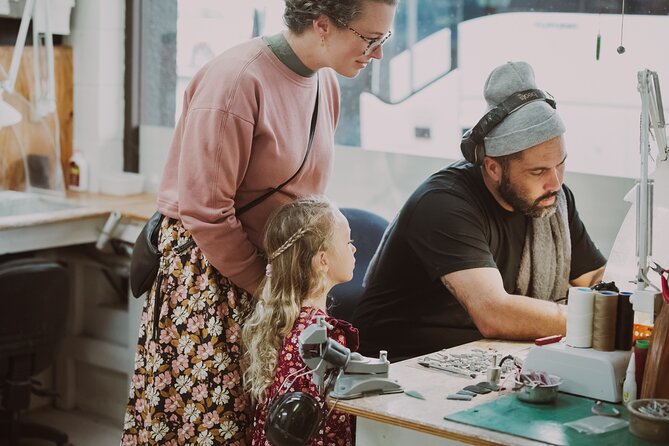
pixel 429 83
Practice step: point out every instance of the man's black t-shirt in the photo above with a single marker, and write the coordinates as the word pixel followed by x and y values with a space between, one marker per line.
pixel 450 223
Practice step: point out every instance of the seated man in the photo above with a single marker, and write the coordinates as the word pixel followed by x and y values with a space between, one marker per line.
pixel 485 247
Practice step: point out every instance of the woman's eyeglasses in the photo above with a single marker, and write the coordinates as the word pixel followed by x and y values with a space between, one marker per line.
pixel 372 43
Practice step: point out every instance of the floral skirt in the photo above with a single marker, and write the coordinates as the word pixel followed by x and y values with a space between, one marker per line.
pixel 187 384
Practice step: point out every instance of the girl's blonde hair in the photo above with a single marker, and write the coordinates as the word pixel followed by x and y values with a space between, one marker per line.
pixel 292 237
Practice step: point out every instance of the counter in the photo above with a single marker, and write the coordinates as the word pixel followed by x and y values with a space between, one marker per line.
pixel 78 224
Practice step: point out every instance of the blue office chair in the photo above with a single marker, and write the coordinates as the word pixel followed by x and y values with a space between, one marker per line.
pixel 34 297
pixel 366 231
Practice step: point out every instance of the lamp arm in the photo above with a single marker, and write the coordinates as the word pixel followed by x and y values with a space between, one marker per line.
pixel 51 72
pixel 644 207
pixel 37 89
pixel 44 95
pixel 20 44
pixel 658 121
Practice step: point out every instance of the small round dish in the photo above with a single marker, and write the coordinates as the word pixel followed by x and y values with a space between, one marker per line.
pixel 537 387
pixel 648 427
pixel 546 394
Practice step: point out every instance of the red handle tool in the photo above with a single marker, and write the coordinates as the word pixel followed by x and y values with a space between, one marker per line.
pixel 664 274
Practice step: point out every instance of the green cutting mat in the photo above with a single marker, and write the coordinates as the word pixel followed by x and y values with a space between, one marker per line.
pixel 545 422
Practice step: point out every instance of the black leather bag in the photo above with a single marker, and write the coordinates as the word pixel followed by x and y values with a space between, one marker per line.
pixel 145 257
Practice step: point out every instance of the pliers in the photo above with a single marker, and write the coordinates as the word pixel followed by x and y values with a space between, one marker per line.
pixel 664 275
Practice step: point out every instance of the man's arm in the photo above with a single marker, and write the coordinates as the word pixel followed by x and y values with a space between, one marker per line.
pixel 498 314
pixel 589 279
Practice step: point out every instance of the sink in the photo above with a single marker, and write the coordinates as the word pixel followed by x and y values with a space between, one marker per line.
pixel 14 203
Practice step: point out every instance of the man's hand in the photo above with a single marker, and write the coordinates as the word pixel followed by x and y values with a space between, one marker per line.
pixel 498 314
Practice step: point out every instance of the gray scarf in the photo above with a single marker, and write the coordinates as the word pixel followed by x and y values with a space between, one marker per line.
pixel 546 259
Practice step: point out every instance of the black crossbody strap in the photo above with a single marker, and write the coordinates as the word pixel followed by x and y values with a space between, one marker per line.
pixel 270 192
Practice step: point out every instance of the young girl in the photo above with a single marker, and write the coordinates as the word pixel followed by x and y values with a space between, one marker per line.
pixel 309 250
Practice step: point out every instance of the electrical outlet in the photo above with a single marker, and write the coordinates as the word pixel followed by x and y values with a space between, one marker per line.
pixel 422 132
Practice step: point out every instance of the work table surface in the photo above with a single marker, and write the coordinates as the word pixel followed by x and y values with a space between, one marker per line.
pixel 79 218
pixel 496 418
pixel 434 385
pixel 89 205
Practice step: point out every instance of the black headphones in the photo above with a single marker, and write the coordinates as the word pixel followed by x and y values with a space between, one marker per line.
pixel 292 419
pixel 472 146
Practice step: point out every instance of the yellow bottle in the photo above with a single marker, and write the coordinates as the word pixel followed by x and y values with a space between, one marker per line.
pixel 77 172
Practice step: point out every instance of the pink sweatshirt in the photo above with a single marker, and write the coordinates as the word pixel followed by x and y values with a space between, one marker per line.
pixel 244 129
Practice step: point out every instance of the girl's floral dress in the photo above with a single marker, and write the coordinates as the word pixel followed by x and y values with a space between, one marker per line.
pixel 337 429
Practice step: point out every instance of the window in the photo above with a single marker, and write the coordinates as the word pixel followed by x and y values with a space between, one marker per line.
pixel 430 82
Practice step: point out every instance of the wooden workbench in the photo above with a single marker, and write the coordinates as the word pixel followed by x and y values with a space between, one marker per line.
pixel 399 419
pixel 75 225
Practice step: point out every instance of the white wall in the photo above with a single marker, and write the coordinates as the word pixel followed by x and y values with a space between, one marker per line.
pixel 97 40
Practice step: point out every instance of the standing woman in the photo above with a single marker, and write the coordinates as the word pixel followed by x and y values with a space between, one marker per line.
pixel 244 129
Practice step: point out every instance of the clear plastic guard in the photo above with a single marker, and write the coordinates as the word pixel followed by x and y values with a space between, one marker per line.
pixel 30 151
pixel 597 424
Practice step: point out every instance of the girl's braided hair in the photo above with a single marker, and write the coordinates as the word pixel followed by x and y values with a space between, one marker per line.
pixel 294 234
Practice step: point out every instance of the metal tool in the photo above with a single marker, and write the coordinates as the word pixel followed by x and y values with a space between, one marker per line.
pixel 655 409
pixel 664 276
pixel 433 364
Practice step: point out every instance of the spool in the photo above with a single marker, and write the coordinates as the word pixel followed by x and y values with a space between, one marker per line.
pixel 580 310
pixel 624 322
pixel 604 321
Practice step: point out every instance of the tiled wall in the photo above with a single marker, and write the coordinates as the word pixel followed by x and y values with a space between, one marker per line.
pixel 97 38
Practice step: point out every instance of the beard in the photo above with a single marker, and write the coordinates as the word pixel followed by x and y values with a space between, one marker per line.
pixel 522 203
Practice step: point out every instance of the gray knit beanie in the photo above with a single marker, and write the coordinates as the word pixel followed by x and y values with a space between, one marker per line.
pixel 528 126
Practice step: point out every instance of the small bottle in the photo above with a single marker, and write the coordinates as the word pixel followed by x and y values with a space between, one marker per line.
pixel 494 372
pixel 77 172
pixel 629 385
pixel 640 355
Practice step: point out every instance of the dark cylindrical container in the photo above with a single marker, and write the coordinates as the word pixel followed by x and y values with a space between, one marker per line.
pixel 624 322
pixel 640 355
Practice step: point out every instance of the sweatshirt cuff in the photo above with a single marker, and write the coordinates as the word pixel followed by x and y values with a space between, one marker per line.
pixel 250 278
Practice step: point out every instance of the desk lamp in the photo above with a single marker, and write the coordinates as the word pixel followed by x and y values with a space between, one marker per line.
pixel 44 101
pixel 8 114
pixel 646 298
pixel 38 138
